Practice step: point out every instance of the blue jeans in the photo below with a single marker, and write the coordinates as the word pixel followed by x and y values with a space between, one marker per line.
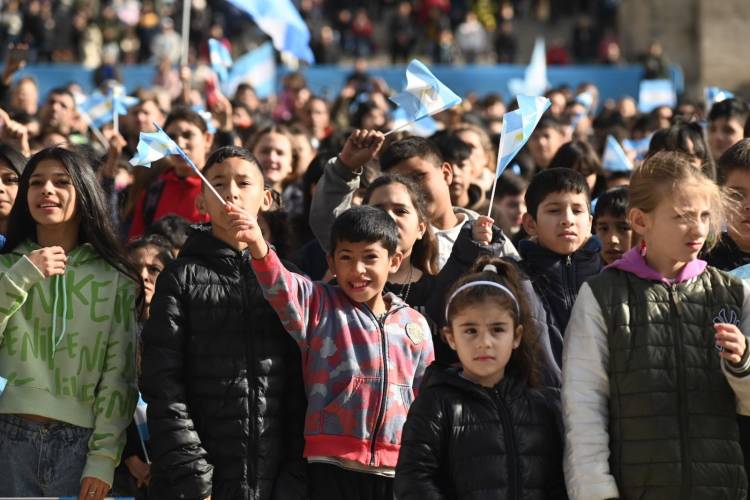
pixel 41 460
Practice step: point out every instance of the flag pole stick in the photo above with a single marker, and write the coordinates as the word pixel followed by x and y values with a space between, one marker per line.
pixel 186 4
pixel 203 178
pixel 497 174
pixel 399 128
pixel 115 120
pixel 492 196
pixel 97 133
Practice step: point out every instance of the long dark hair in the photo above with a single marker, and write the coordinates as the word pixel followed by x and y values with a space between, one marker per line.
pixel 95 222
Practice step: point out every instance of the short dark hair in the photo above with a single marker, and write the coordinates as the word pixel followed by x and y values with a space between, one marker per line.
pixel 163 246
pixel 452 149
pixel 365 224
pixel 679 137
pixel 578 155
pixel 510 184
pixel 554 180
pixel 13 157
pixel 173 228
pixel 61 91
pixel 614 202
pixel 225 152
pixel 736 157
pixel 730 108
pixel 408 148
pixel 550 121
pixel 185 115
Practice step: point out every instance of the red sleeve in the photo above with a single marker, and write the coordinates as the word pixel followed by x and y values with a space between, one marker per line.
pixel 137 224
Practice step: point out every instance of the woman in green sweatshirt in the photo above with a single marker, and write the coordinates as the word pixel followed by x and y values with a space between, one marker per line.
pixel 67 335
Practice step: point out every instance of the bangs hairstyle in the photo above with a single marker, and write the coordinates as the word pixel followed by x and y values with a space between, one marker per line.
pixel 736 158
pixel 162 245
pixel 668 172
pixel 13 158
pixel 555 180
pixel 226 152
pixel 95 225
pixel 411 147
pixel 182 114
pixel 578 155
pixel 484 140
pixel 523 360
pixel 280 130
pixel 613 203
pixel 365 224
pixel 687 138
pixel 424 254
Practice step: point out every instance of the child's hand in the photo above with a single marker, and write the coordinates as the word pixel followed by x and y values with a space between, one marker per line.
pixel 139 469
pixel 247 230
pixel 361 147
pixel 731 341
pixel 482 230
pixel 49 260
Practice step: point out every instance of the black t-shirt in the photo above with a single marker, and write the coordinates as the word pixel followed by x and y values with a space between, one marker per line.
pixel 726 255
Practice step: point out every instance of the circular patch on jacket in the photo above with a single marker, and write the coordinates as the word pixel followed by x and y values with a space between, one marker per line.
pixel 415 333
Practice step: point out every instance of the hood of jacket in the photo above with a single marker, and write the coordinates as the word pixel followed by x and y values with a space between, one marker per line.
pixel 633 261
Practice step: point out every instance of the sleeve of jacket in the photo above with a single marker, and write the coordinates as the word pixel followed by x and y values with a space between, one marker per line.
pixel 418 474
pixel 550 369
pixel 15 284
pixel 585 396
pixel 294 297
pixel 137 224
pixel 116 392
pixel 333 195
pixel 738 375
pixel 180 467
pixel 291 483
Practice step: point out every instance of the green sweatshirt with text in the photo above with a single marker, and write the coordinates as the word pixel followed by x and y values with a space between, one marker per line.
pixel 67 348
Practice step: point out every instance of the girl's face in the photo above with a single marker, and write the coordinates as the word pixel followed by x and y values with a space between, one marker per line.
pixel 52 197
pixel 274 153
pixel 193 141
pixel 148 263
pixel 478 158
pixel 484 336
pixel 395 200
pixel 676 229
pixel 8 189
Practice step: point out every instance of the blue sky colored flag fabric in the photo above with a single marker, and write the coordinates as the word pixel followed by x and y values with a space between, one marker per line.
pixel 257 67
pixel 153 146
pixel 614 158
pixel 280 20
pixel 424 95
pixel 221 59
pixel 713 95
pixel 518 125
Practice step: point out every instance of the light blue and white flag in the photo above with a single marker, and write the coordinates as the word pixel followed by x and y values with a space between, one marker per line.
pixel 535 81
pixel 518 125
pixel 712 95
pixel 422 128
pixel 207 117
pixel 614 158
pixel 100 108
pixel 221 59
pixel 424 95
pixel 153 146
pixel 640 146
pixel 586 99
pixel 655 93
pixel 280 20
pixel 258 68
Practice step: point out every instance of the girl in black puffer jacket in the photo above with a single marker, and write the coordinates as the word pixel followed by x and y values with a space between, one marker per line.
pixel 483 431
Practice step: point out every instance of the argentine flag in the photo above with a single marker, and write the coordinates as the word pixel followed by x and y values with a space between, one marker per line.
pixel 220 58
pixel 100 108
pixel 424 94
pixel 535 81
pixel 518 125
pixel 713 95
pixel 280 20
pixel 614 158
pixel 258 68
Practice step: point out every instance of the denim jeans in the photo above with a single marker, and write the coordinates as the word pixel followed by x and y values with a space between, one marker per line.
pixel 41 460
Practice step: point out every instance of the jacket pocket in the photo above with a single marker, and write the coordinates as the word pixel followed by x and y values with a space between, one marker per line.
pixel 352 412
pixel 400 398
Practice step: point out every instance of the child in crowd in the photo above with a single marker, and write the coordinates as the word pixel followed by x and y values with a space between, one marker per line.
pixel 561 254
pixel 733 248
pixel 483 430
pixel 67 343
pixel 611 225
pixel 12 163
pixel 173 229
pixel 549 134
pixel 463 192
pixel 509 205
pixel 176 189
pixel 220 376
pixel 413 157
pixel 726 124
pixel 655 364
pixel 365 352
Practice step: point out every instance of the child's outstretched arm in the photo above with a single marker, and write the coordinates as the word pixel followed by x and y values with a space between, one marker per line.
pixel 736 353
pixel 340 180
pixel 585 395
pixel 294 297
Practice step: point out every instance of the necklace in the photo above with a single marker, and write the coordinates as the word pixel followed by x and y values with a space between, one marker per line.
pixel 406 285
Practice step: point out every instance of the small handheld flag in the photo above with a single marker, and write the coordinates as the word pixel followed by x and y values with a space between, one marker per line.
pixel 534 82
pixel 220 58
pixel 258 67
pixel 713 95
pixel 518 125
pixel 614 158
pixel 153 146
pixel 424 95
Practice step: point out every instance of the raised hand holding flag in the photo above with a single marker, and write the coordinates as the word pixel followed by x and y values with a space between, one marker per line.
pixel 153 146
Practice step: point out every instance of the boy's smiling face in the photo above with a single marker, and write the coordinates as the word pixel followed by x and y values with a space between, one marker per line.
pixel 238 182
pixel 563 222
pixel 362 270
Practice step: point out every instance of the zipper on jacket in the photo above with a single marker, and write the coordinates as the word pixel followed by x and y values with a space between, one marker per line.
pixel 681 391
pixel 567 272
pixel 514 472
pixel 253 455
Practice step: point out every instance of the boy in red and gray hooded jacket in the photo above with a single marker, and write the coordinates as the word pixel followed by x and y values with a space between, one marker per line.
pixel 364 353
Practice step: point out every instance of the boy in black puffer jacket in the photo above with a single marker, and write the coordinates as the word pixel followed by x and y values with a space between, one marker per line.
pixel 483 431
pixel 221 377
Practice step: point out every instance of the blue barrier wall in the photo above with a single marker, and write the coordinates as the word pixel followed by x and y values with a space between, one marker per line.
pixel 613 82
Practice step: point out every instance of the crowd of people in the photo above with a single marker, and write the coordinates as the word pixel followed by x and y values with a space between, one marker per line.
pixel 100 32
pixel 348 314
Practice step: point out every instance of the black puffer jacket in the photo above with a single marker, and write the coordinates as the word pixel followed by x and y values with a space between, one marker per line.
pixel 223 383
pixel 463 441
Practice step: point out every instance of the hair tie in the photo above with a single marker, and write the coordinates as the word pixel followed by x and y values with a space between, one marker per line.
pixel 490 267
pixel 472 284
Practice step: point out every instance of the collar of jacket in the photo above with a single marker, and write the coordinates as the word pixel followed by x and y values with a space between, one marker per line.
pixel 532 251
pixel 633 262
